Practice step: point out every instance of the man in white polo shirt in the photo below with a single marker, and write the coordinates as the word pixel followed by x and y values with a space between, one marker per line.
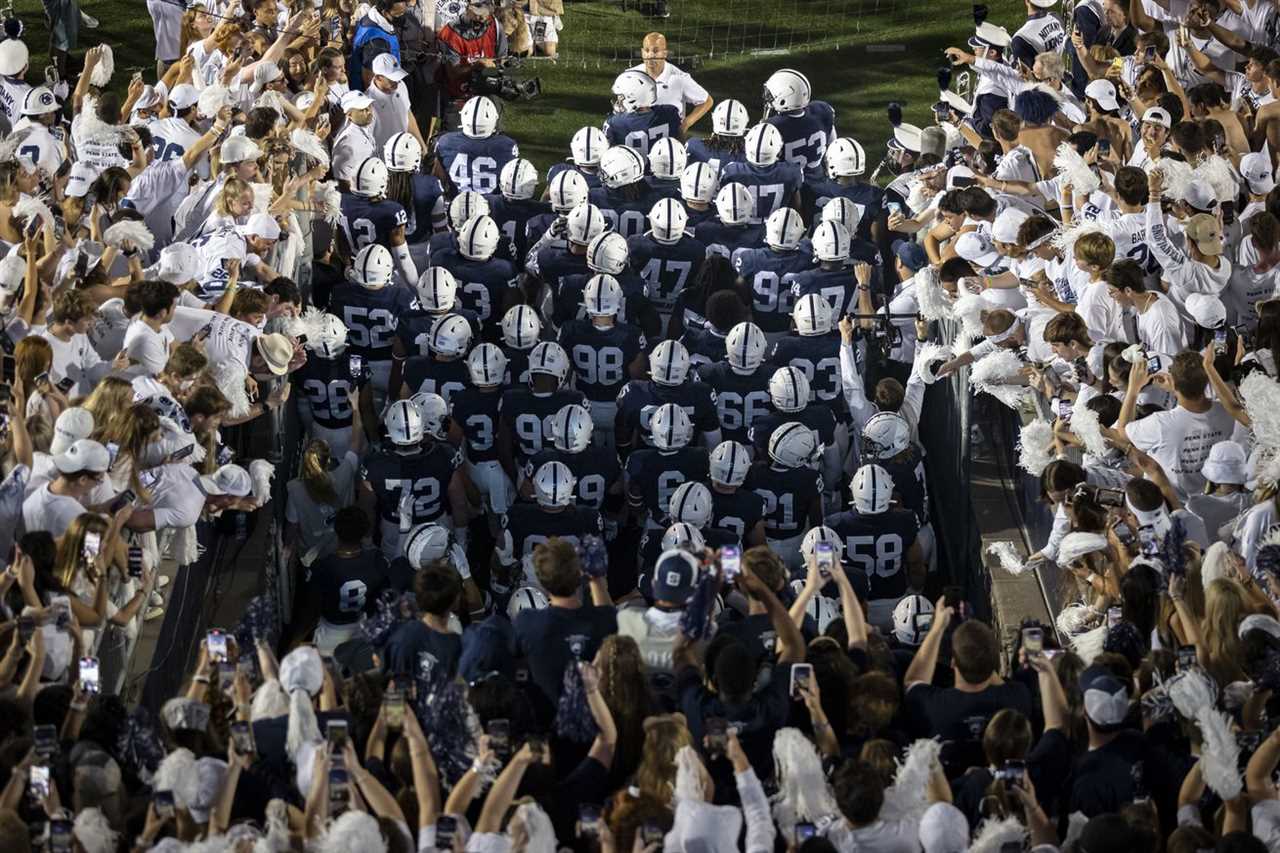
pixel 675 87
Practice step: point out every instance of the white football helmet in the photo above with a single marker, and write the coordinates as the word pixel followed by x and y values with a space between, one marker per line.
pixel 478 117
pixel 487 365
pixel 608 253
pixel 521 327
pixel 571 429
pixel 526 598
pixel 699 183
pixel 872 487
pixel 745 345
pixel 730 462
pixel 450 336
pixel 667 158
pixel 548 359
pixel 786 91
pixel 912 618
pixel 372 267
pixel 403 421
pixel 465 206
pixel 553 484
pixel 885 435
pixel 426 543
pixel 843 211
pixel 813 315
pixel 670 427
pixel 402 153
pixel 437 290
pixel 634 90
pixel 584 223
pixel 822 533
pixel 763 145
pixel 621 166
pixel 691 503
pixel 669 363
pixel 567 190
pixel 588 146
pixel 435 413
pixel 682 535
pixel 518 179
pixel 478 239
pixel 789 389
pixel 734 204
pixel 794 445
pixel 667 220
pixel 783 229
pixel 730 118
pixel 370 179
pixel 328 336
pixel 830 242
pixel 602 296
pixel 845 158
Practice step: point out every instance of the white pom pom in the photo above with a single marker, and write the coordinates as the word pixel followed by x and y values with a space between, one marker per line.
pixel 1065 239
pixel 261 471
pixel 1218 173
pixel 1191 692
pixel 968 309
pixel 689 776
pixel 212 99
pixel 1075 618
pixel 1089 644
pixel 1068 163
pixel 932 300
pixel 32 206
pixel 308 143
pixel 993 835
pixel 906 798
pixel 803 793
pixel 229 377
pixel 94 832
pixel 1084 423
pixel 1035 447
pixel 172 774
pixel 353 831
pixel 130 231
pixel 993 373
pixel 1010 559
pixel 10 144
pixel 540 834
pixel 1177 177
pixel 95 130
pixel 1220 755
pixel 1261 397
pixel 328 201
pixel 101 76
pixel 262 196
pixel 930 354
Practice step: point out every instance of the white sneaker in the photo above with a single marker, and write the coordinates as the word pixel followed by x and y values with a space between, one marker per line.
pixel 88 20
pixel 153 613
pixel 157 600
pixel 163 581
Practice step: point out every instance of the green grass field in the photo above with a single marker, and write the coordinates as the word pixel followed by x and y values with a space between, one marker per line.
pixel 858 55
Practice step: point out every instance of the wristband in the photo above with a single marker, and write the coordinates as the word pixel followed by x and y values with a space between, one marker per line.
pixel 201 679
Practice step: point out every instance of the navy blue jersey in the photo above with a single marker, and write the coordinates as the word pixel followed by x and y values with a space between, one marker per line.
pixel 531 525
pixel 868 197
pixel 818 418
pixel 818 357
pixel 639 130
pixel 875 546
pixel 806 134
pixel 700 152
pixel 653 475
pixel 427 473
pixel 771 186
pixel 530 415
pixel 517 365
pixel 787 494
pixel 536 226
pixel 512 215
pixel 591 176
pixel 909 483
pixel 723 240
pixel 596 469
pixel 838 287
pixel 739 511
pixel 427 374
pixel 705 346
pixel 474 164
pixel 348 587
pixel 427 205
pixel 371 316
pixel 553 263
pixel 476 413
pixel 628 216
pixel 567 299
pixel 443 247
pixel 741 398
pixel 482 285
pixel 414 328
pixel 366 222
pixel 763 271
pixel 640 398
pixel 600 356
pixel 328 389
pixel 697 217
pixel 667 269
pixel 660 188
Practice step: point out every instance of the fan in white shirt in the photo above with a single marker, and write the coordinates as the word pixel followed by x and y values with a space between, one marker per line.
pixel 1201 269
pixel 148 340
pixel 354 143
pixel 74 358
pixel 56 504
pixel 1159 325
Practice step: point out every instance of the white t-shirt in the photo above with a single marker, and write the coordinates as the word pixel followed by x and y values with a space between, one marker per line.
pixel 390 113
pixel 43 510
pixel 353 145
pixel 177 500
pixel 1160 328
pixel 173 137
pixel 229 339
pixel 1102 315
pixel 147 347
pixel 677 88
pixel 75 359
pixel 1180 441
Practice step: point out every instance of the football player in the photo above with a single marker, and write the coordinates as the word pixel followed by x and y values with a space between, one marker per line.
pixel 549 261
pixel 773 183
pixel 791 488
pixel 729 124
pixel 815 350
pixel 327 384
pixel 789 395
pixel 552 513
pixel 526 413
pixel 521 332
pixel 805 126
pixel 730 228
pixel 734 508
pixel 444 370
pixel 472 157
pixel 740 382
pixel 487 284
pixel 421 195
pixel 475 410
pixel 653 474
pixel 698 188
pixel 667 159
pixel 762 270
pixel 667 258
pixel 514 205
pixel 369 217
pixel 608 255
pixel 565 191
pixel 638 119
pixel 595 468
pixel 370 305
pixel 437 297
pixel 669 382
pixel 831 278
pixel 846 162
pixel 625 198
pixel 585 148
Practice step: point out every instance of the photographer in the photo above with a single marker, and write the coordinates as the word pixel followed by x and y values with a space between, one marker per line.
pixel 474 40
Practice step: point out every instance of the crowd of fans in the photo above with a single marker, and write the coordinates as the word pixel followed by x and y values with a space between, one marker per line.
pixel 609 524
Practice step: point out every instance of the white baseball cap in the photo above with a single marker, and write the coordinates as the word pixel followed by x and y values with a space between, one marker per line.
pixel 1201 196
pixel 1104 92
pixel 1207 310
pixel 1005 228
pixel 977 247
pixel 184 95
pixel 1255 168
pixel 228 480
pixel 1158 115
pixel 81 177
pixel 354 100
pixel 179 263
pixel 238 149
pixel 260 225
pixel 386 65
pixel 13 57
pixel 72 425
pixel 1226 463
pixel 83 455
pixel 149 98
pixel 39 101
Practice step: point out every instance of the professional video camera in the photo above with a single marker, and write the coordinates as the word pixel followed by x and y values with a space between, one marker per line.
pixel 496 81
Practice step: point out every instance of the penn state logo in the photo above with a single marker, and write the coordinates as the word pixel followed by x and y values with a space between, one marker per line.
pixel 448 11
pixel 577 645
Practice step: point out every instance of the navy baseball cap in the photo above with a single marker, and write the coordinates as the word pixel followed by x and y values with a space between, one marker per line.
pixel 911 254
pixel 674 576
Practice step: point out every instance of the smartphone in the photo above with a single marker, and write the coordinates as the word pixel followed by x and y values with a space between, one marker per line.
pixel 393 703
pixel 62 610
pixel 355 366
pixel 1052 654
pixel 7 345
pixel 41 378
pixel 717 735
pixel 336 732
pixel 65 384
pixel 1114 616
pixel 135 561
pixel 499 732
pixel 1154 365
pixel 226 676
pixel 805 831
pixel 1104 147
pixel 1064 409
pixel 651 832
pixel 955 600
pixel 112 450
pixel 163 801
pixel 216 644
pixel 122 500
pixel 39 782
pixel 26 627
pixel 8 369
pixel 242 737
pixel 730 561
pixel 45 741
pixel 825 556
pixel 1149 53
pixel 91 546
pixel 446 829
pixel 302 340
pixel 339 794
pixel 90 679
pixel 1220 341
pixel 1186 657
pixel 1148 544
pixel 225 455
pixel 537 746
pixel 1123 532
pixel 1109 497
pixel 801 675
pixel 588 821
pixel 1033 640
pixel 182 453
pixel 1012 772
